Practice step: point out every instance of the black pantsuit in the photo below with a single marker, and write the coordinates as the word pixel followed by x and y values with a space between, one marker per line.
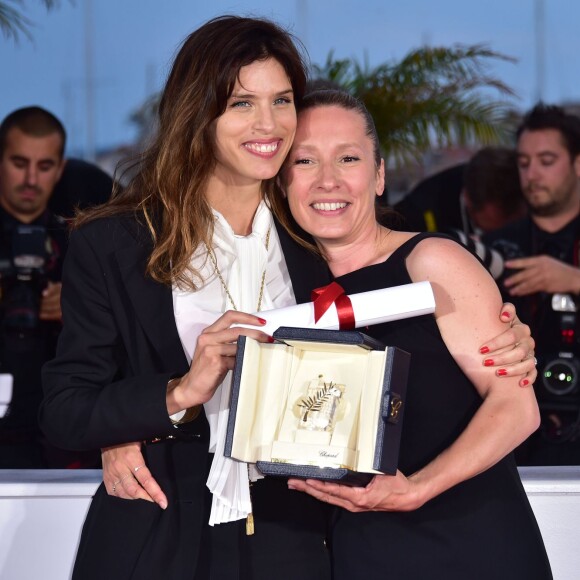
pixel 107 385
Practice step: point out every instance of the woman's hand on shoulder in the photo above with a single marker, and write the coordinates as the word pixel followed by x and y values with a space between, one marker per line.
pixel 511 353
pixel 469 312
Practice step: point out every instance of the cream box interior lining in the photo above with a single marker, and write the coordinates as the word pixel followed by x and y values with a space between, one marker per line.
pixel 274 380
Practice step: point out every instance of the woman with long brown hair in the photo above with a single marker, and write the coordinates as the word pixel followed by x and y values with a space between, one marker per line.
pixel 143 361
pixel 147 277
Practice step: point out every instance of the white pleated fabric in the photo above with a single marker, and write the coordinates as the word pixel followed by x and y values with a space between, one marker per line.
pixel 241 260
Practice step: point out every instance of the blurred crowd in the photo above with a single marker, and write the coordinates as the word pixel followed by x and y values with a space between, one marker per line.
pixel 517 208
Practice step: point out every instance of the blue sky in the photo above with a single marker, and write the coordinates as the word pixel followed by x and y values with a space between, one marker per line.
pixel 134 40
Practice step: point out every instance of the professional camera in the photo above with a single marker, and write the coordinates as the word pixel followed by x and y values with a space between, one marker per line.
pixel 23 278
pixel 558 385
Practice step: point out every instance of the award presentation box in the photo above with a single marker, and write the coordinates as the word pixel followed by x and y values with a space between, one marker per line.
pixel 320 404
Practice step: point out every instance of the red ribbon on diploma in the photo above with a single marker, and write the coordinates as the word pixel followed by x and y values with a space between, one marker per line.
pixel 323 298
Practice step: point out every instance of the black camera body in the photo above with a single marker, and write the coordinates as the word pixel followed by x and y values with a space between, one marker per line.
pixel 558 387
pixel 554 323
pixel 554 327
pixel 22 279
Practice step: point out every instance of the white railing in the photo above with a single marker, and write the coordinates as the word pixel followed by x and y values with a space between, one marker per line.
pixel 41 514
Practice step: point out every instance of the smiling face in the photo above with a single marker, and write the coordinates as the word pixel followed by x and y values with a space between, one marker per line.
pixel 29 169
pixel 255 132
pixel 549 177
pixel 331 177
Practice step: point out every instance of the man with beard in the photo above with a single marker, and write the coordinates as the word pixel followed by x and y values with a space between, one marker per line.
pixel 543 277
pixel 32 247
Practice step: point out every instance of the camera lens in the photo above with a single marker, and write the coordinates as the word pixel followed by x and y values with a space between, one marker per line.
pixel 560 376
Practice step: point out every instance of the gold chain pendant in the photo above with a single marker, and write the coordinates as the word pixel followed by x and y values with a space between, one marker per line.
pixel 213 258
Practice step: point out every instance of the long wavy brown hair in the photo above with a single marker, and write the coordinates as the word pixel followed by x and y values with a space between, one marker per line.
pixel 168 192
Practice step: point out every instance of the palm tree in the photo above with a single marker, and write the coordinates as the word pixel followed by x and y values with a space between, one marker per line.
pixel 12 20
pixel 433 97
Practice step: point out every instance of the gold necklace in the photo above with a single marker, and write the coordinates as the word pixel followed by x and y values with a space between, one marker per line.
pixel 213 259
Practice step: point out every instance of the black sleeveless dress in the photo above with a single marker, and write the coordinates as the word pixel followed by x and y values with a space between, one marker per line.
pixel 483 528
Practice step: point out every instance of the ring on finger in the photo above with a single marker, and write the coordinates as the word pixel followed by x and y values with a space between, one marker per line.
pixel 114 488
pixel 136 469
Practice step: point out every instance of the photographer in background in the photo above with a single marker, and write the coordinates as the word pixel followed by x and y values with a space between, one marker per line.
pixel 469 200
pixel 473 198
pixel 32 247
pixel 542 276
pixel 491 197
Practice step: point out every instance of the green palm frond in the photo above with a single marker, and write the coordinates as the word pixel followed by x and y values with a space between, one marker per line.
pixel 337 71
pixel 13 23
pixel 434 96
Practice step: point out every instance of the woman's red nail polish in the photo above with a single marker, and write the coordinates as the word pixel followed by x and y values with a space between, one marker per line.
pixel 263 321
pixel 501 373
pixel 484 349
pixel 525 382
pixel 271 339
pixel 488 362
pixel 505 314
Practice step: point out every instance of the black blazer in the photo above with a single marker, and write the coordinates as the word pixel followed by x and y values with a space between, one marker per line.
pixel 118 349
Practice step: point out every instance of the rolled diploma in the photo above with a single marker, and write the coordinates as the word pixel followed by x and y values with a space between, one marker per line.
pixel 374 307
